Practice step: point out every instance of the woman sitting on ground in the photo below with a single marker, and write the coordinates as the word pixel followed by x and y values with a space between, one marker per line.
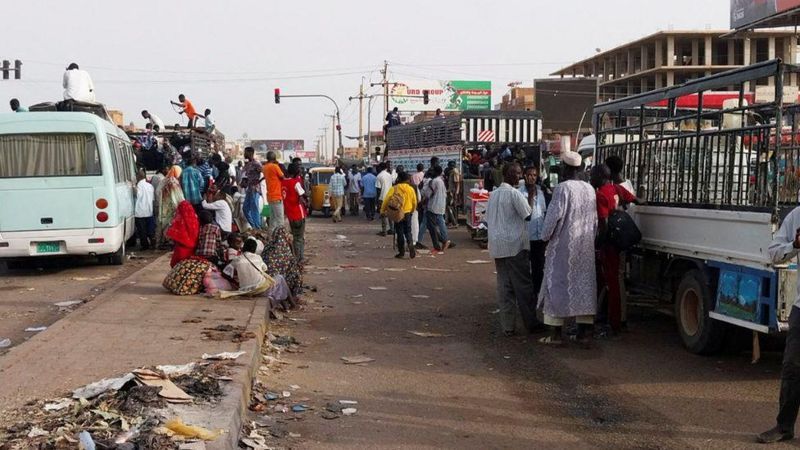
pixel 250 272
pixel 184 231
pixel 281 260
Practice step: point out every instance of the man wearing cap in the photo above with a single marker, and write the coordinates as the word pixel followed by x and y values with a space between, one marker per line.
pixel 570 226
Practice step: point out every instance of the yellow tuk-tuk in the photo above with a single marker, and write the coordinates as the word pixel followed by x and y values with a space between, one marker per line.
pixel 319 179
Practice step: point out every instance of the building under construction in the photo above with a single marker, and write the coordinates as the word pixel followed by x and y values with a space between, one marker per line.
pixel 668 58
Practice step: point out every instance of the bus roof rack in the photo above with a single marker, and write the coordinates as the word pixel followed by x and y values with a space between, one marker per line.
pixel 98 109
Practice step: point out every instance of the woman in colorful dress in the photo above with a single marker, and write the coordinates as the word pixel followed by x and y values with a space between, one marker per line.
pixel 184 231
pixel 169 196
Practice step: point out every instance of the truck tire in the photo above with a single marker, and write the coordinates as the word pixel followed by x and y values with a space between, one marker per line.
pixel 700 333
pixel 117 258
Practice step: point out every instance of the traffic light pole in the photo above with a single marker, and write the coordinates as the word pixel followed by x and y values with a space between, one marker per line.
pixel 338 118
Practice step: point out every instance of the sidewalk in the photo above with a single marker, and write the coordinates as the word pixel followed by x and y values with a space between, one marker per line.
pixel 135 323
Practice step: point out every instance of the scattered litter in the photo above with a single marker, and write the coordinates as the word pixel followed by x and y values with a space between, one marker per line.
pixel 169 391
pixel 496 311
pixel 223 355
pixel 394 269
pixel 294 435
pixel 420 296
pixel 286 394
pixel 98 387
pixel 377 288
pixel 30 289
pixel 175 370
pixel 102 277
pixel 5 343
pixel 349 411
pixel 271 396
pixel 428 334
pixel 348 402
pixel 86 441
pixel 299 408
pixel 341 237
pixel 357 296
pixel 294 387
pixel 36 432
pixel 478 261
pixel 433 269
pixel 58 406
pixel 35 329
pixel 67 304
pixel 327 415
pixel 357 359
pixel 371 269
pixel 190 431
pixel 506 357
pixel 199 445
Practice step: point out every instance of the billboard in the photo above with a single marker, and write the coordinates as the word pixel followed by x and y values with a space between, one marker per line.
pixel 447 95
pixel 746 12
pixel 284 148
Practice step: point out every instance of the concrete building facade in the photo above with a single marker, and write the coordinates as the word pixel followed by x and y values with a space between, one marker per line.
pixel 667 58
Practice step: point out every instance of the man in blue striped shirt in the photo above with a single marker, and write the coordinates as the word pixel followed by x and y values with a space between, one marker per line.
pixel 192 183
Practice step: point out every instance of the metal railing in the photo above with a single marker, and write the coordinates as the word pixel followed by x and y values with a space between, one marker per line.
pixel 742 156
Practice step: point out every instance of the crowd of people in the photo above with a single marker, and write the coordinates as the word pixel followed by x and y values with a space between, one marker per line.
pixel 551 249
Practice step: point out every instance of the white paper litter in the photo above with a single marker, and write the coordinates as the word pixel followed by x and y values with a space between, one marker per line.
pixel 348 402
pixel 35 329
pixel 356 359
pixel 58 406
pixel 357 296
pixel 349 411
pixel 394 269
pixel 5 343
pixel 341 237
pixel 478 261
pixel 223 355
pixel 98 387
pixel 67 304
pixel 377 288
pixel 36 432
pixel 428 334
pixel 433 269
pixel 176 370
pixel 420 296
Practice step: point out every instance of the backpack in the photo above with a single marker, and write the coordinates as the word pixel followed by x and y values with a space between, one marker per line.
pixel 622 231
pixel 394 206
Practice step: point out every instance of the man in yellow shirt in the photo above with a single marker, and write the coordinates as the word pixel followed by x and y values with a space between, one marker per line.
pixel 403 227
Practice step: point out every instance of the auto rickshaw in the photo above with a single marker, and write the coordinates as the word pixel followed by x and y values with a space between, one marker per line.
pixel 319 180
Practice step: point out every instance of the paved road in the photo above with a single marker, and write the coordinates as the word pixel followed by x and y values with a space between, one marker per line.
pixel 476 389
pixel 29 291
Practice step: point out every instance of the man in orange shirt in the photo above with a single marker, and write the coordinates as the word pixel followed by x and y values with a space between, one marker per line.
pixel 188 108
pixel 273 175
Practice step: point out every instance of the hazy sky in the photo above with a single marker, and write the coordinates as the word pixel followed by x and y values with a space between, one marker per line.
pixel 229 56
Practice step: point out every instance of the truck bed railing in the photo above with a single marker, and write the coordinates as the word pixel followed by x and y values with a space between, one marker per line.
pixel 741 157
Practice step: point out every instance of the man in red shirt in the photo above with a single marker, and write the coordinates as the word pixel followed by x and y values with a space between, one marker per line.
pixel 610 197
pixel 294 207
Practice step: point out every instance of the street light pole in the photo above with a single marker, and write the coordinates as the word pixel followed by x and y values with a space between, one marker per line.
pixel 336 117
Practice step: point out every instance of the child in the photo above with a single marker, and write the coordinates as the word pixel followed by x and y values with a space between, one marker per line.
pixel 209 244
pixel 235 243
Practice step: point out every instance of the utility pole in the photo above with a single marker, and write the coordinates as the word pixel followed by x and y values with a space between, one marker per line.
pixel 333 135
pixel 324 138
pixel 385 73
pixel 361 119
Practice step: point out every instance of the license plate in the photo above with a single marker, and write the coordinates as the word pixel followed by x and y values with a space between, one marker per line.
pixel 48 247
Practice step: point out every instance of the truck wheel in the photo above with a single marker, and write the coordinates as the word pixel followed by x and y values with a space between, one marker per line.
pixel 117 258
pixel 693 301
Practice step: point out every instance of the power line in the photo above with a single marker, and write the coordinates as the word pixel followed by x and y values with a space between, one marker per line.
pixel 538 63
pixel 217 80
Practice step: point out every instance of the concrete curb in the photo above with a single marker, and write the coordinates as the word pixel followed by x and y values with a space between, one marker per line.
pixel 236 399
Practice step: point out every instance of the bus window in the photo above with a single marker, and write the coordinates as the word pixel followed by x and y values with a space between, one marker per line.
pixel 115 162
pixel 48 155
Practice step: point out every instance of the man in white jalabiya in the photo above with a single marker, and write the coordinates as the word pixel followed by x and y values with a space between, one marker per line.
pixel 570 226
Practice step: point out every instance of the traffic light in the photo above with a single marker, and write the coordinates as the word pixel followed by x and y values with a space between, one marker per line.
pixel 338 127
pixel 6 68
pixel 425 96
pixel 277 95
pixel 17 69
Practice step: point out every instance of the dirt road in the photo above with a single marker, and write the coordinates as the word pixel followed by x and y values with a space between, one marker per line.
pixel 467 386
pixel 29 291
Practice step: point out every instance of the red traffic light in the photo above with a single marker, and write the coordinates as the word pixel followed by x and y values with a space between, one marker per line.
pixel 277 95
pixel 338 127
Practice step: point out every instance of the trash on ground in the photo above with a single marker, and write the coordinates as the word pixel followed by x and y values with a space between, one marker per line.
pixel 68 303
pixel 428 334
pixel 36 432
pixel 478 261
pixel 348 402
pixel 357 359
pixel 175 370
pixel 92 390
pixel 420 296
pixel 5 343
pixel 223 355
pixel 377 288
pixel 433 269
pixel 102 277
pixel 394 269
pixel 294 387
pixel 169 390
pixel 341 237
pixel 299 408
pixel 357 296
pixel 58 406
pixel 86 441
pixel 190 431
pixel 35 329
pixel 349 411
pixel 286 394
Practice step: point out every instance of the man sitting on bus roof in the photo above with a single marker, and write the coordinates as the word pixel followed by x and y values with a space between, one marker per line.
pixel 78 85
pixel 16 107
